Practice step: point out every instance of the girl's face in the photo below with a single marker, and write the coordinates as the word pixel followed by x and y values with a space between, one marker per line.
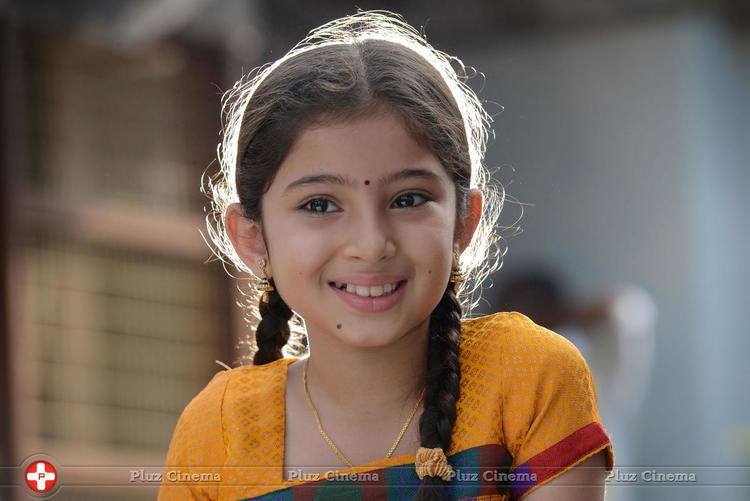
pixel 360 202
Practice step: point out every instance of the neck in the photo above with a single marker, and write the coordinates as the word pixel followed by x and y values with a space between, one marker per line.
pixel 368 385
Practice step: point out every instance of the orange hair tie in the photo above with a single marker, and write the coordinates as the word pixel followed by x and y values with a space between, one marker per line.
pixel 433 463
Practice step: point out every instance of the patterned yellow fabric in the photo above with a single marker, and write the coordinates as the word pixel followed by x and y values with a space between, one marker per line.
pixel 522 387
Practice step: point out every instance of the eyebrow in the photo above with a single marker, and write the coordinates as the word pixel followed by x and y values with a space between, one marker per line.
pixel 342 181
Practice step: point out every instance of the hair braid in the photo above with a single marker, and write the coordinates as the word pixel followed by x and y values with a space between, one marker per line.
pixel 442 386
pixel 273 332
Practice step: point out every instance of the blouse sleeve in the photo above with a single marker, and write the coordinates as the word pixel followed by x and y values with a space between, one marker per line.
pixel 551 418
pixel 196 452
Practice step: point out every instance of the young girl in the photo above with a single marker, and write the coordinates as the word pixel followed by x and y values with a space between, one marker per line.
pixel 352 185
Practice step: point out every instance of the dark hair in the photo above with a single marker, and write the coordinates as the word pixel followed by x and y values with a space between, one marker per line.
pixel 366 63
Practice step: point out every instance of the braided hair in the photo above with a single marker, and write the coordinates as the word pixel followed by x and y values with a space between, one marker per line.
pixel 272 333
pixel 442 386
pixel 347 69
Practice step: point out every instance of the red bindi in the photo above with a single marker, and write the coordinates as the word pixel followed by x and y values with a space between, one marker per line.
pixel 367 181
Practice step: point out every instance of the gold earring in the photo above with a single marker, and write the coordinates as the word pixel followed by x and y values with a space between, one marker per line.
pixel 264 285
pixel 456 275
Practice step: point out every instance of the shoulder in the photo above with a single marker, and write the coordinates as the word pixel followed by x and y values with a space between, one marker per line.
pixel 197 437
pixel 203 422
pixel 257 383
pixel 226 386
pixel 525 362
pixel 514 340
pixel 207 401
pixel 548 405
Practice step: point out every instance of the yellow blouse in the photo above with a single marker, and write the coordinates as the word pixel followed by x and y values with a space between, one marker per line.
pixel 526 414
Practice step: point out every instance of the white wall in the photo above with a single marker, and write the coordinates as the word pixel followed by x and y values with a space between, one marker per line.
pixel 633 144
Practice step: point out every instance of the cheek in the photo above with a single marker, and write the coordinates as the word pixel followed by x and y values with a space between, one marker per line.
pixel 434 232
pixel 297 253
pixel 293 275
pixel 429 251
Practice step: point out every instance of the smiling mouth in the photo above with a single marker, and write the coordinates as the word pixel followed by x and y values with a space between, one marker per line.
pixel 368 291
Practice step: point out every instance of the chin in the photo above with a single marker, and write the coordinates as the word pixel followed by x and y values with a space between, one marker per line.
pixel 364 341
pixel 375 336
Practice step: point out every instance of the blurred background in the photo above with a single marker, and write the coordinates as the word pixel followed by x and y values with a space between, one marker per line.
pixel 624 131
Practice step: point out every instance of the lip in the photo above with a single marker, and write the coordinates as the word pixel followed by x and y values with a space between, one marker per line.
pixel 372 304
pixel 369 279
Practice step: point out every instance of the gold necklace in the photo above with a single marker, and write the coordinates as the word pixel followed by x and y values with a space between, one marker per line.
pixel 328 439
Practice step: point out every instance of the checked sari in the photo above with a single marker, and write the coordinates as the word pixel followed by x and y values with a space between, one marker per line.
pixel 527 413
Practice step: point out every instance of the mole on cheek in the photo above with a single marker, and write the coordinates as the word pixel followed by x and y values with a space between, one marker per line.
pixel 338 326
pixel 367 181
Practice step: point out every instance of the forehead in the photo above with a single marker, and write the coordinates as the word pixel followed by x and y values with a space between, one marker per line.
pixel 374 148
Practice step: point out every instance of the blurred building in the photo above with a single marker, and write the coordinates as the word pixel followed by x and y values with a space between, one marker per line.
pixel 112 318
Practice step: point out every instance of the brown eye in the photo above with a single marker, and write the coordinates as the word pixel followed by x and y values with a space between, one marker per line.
pixel 409 199
pixel 317 206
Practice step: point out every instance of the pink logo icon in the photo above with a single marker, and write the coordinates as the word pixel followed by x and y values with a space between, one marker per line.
pixel 41 476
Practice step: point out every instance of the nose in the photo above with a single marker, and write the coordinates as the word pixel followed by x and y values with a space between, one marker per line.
pixel 371 238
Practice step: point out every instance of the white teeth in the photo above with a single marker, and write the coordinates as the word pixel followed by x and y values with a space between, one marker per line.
pixel 367 291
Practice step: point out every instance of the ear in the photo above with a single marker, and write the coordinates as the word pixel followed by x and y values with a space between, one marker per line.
pixel 468 226
pixel 247 239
